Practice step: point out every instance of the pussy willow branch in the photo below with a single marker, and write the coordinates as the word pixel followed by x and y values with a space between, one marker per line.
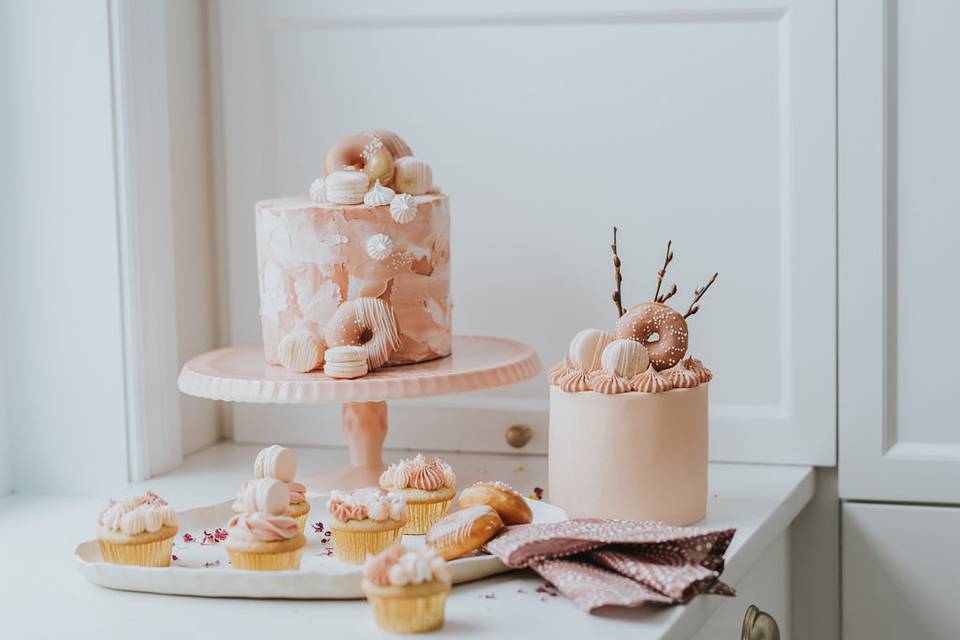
pixel 667 295
pixel 697 295
pixel 617 300
pixel 663 271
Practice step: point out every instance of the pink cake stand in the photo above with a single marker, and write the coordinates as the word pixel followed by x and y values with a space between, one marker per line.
pixel 239 374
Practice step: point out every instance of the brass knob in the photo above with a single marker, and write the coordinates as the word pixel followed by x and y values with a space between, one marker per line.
pixel 519 435
pixel 759 625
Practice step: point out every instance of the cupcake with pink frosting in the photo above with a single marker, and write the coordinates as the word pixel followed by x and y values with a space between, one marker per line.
pixel 364 522
pixel 407 589
pixel 266 539
pixel 428 486
pixel 138 531
pixel 279 463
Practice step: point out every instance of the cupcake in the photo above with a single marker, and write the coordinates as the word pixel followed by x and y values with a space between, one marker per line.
pixel 280 464
pixel 138 531
pixel 364 522
pixel 407 589
pixel 267 539
pixel 427 487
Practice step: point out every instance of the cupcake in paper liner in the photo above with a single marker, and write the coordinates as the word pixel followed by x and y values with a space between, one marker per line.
pixel 365 522
pixel 266 539
pixel 138 531
pixel 407 589
pixel 427 486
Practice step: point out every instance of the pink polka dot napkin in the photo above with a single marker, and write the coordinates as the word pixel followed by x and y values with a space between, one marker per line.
pixel 597 563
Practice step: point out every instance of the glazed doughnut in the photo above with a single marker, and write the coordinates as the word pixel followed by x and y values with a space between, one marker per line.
pixel 502 498
pixel 464 531
pixel 365 322
pixel 394 143
pixel 648 318
pixel 364 152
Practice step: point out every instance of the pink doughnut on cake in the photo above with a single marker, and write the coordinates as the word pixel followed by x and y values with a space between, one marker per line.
pixel 314 256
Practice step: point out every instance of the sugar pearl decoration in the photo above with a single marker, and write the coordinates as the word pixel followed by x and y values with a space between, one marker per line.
pixel 300 351
pixel 403 208
pixel 587 347
pixel 624 358
pixel 412 175
pixel 380 246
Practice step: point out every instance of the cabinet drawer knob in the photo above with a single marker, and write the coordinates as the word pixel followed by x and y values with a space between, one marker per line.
pixel 519 435
pixel 759 625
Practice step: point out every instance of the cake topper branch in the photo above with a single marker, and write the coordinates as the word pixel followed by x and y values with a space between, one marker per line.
pixel 617 299
pixel 697 295
pixel 663 271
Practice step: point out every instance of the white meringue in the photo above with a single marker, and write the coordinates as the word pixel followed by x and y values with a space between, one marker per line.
pixel 316 191
pixel 379 246
pixel 379 195
pixel 403 208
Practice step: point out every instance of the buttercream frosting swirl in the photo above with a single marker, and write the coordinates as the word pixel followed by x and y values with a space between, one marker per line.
pixel 694 364
pixel 147 513
pixel 368 503
pixel 610 383
pixel 262 527
pixel 398 566
pixel 681 377
pixel 558 370
pixel 418 473
pixel 651 381
pixel 574 381
pixel 379 195
pixel 298 493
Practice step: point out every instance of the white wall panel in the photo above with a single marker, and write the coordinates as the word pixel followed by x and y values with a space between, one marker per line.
pixel 191 180
pixel 708 122
pixel 898 578
pixel 898 135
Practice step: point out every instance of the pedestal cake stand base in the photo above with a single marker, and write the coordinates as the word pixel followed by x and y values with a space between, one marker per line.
pixel 240 374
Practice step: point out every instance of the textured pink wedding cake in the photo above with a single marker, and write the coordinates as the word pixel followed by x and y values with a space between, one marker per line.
pixel 629 426
pixel 364 261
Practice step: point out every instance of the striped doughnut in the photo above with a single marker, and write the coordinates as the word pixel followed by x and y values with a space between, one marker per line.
pixel 368 323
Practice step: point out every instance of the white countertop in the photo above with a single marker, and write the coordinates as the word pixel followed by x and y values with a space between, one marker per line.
pixel 43 595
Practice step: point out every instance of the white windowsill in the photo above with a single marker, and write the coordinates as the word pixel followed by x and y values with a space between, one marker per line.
pixel 44 594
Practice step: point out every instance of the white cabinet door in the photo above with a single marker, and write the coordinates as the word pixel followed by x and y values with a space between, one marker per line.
pixel 708 122
pixel 899 572
pixel 899 218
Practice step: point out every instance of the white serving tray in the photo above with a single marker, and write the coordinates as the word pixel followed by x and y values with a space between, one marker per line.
pixel 204 569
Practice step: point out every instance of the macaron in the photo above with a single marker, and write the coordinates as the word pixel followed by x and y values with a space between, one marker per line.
pixel 267 495
pixel 275 462
pixel 346 187
pixel 346 362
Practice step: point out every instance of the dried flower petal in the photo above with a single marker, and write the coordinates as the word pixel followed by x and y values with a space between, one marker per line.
pixel 318 527
pixel 187 537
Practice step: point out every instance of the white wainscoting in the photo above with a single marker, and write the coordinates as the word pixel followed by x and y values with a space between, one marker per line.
pixel 899 202
pixel 707 122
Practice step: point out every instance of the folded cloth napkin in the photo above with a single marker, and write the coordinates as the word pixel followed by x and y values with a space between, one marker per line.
pixel 619 562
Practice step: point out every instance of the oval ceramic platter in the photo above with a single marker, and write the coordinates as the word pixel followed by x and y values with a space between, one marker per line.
pixel 200 566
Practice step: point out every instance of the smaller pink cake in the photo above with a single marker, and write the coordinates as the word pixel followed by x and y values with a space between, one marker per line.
pixel 629 433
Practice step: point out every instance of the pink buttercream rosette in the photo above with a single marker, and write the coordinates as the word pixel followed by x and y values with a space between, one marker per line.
pixel 597 563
